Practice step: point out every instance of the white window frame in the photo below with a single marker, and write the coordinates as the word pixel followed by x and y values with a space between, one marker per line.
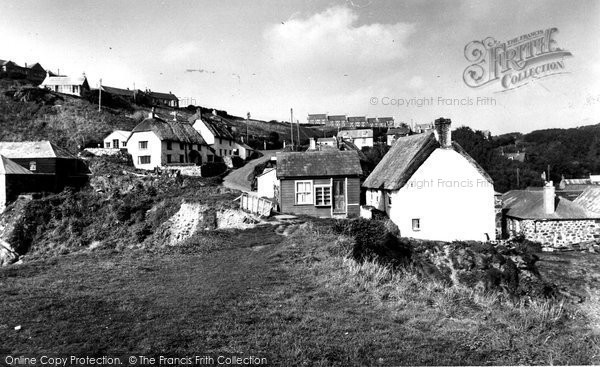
pixel 308 200
pixel 144 156
pixel 321 186
pixel 143 144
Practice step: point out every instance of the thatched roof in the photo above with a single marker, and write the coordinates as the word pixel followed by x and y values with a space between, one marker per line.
pixel 169 130
pixel 8 167
pixel 33 149
pixel 525 204
pixel 324 163
pixel 405 157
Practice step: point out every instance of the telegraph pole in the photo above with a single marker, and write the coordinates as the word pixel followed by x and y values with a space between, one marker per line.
pixel 298 135
pixel 292 126
pixel 100 96
pixel 247 121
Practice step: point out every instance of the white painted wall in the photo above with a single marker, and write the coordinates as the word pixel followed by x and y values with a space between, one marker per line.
pixel 266 183
pixel 363 142
pixel 222 147
pixel 452 200
pixel 154 149
pixel 201 127
pixel 122 136
pixel 2 192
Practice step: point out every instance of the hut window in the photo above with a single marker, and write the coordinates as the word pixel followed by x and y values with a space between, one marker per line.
pixel 169 145
pixel 143 144
pixel 32 166
pixel 322 195
pixel 416 224
pixel 181 159
pixel 144 159
pixel 304 192
pixel 181 146
pixel 168 158
pixel 107 145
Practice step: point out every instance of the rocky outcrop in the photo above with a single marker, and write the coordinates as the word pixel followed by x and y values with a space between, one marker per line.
pixel 10 250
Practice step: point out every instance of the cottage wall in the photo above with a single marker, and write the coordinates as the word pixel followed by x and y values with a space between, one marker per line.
pixel 122 138
pixel 153 150
pixel 363 142
pixel 266 184
pixel 450 199
pixel 555 233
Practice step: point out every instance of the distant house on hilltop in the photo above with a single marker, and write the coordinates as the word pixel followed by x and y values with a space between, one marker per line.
pixel 215 133
pixel 432 189
pixel 394 133
pixel 554 221
pixel 319 183
pixel 162 99
pixel 75 86
pixel 126 94
pixel 359 137
pixel 32 72
pixel 155 142
pixel 317 119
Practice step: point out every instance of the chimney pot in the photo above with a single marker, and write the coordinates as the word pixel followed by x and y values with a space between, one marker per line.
pixel 442 132
pixel 549 198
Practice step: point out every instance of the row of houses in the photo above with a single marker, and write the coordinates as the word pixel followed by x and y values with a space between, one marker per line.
pixel 33 72
pixel 158 142
pixel 342 121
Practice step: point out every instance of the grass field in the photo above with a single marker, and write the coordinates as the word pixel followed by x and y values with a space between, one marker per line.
pixel 292 300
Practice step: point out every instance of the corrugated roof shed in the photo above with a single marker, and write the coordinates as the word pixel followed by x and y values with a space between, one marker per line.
pixel 33 149
pixel 357 133
pixel 8 167
pixel 526 204
pixel 405 157
pixel 64 80
pixel 589 199
pixel 170 130
pixel 325 163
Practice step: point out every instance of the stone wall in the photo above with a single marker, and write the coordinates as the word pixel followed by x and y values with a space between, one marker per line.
pixel 558 234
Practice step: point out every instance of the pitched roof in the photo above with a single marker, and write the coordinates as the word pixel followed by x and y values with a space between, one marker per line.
pixel 385 119
pixel 525 204
pixel 8 167
pixel 358 133
pixel 64 80
pixel 317 116
pixel 337 118
pixel 169 130
pixel 589 199
pixel 357 119
pixel 405 157
pixel 122 133
pixel 398 130
pixel 118 91
pixel 33 149
pixel 324 163
pixel 215 125
pixel 372 120
pixel 160 95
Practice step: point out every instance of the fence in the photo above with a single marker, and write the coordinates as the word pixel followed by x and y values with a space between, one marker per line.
pixel 256 205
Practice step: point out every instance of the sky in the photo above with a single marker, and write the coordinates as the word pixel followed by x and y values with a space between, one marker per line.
pixel 371 58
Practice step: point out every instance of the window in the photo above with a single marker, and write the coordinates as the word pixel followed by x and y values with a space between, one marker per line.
pixel 124 144
pixel 116 143
pixel 304 192
pixel 220 152
pixel 181 146
pixel 143 144
pixel 144 159
pixel 169 145
pixel 389 199
pixel 168 158
pixel 220 140
pixel 181 159
pixel 322 195
pixel 107 145
pixel 416 224
pixel 32 166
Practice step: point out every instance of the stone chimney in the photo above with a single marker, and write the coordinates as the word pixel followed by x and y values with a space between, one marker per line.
pixel 313 144
pixel 549 198
pixel 442 132
pixel 151 114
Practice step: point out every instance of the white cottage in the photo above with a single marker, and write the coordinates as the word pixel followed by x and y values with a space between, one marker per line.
pixel 359 137
pixel 75 86
pixel 432 189
pixel 155 142
pixel 117 139
pixel 215 133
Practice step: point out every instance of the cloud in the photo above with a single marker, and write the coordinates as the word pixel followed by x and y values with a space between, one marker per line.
pixel 332 40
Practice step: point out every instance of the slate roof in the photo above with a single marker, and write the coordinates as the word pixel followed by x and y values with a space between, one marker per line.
pixel 372 120
pixel 357 119
pixel 525 204
pixel 118 91
pixel 589 199
pixel 64 80
pixel 324 163
pixel 386 119
pixel 337 118
pixel 169 130
pixel 8 167
pixel 159 95
pixel 214 123
pixel 33 149
pixel 317 116
pixel 398 131
pixel 358 133
pixel 405 157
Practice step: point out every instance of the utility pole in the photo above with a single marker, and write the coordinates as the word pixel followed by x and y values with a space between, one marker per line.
pixel 518 178
pixel 100 96
pixel 298 126
pixel 247 121
pixel 292 126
